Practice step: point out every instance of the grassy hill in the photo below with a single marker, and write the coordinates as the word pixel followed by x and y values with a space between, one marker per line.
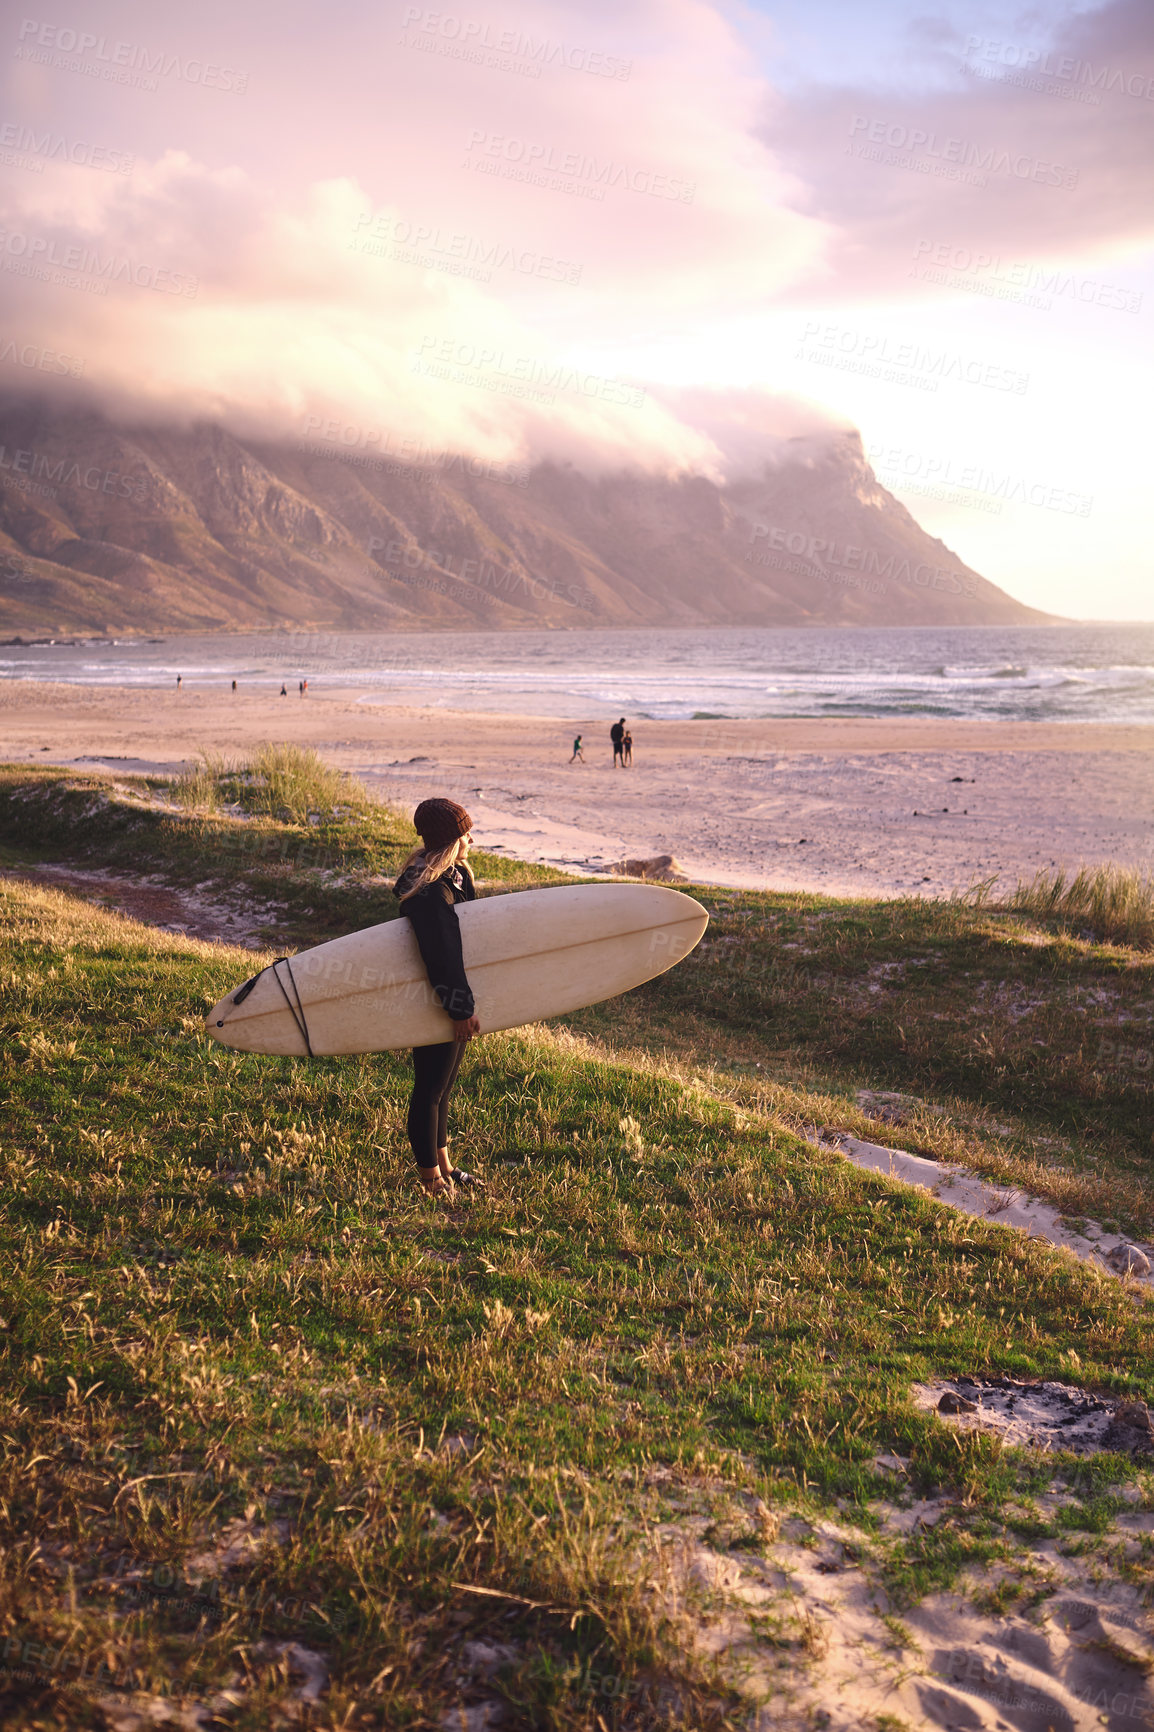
pixel 272 1419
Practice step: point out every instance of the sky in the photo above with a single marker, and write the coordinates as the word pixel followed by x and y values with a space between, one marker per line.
pixel 666 233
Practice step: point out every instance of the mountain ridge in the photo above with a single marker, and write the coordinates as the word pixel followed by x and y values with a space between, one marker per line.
pixel 108 529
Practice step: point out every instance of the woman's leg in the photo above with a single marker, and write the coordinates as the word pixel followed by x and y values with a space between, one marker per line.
pixel 443 1110
pixel 433 1070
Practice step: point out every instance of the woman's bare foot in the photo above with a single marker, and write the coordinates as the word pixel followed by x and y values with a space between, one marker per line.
pixel 435 1183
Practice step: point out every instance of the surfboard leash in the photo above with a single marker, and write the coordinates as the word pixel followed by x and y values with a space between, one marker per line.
pixel 297 1010
pixel 242 992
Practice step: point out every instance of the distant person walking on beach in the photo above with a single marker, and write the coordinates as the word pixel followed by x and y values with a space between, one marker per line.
pixel 617 735
pixel 626 748
pixel 234 685
pixel 434 879
pixel 284 691
pixel 577 752
pixel 179 681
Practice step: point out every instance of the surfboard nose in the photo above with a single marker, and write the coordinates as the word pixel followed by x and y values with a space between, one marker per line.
pixel 683 928
pixel 216 1021
pixel 224 1013
pixel 260 1015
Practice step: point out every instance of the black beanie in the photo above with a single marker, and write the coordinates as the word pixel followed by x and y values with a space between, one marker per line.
pixel 439 823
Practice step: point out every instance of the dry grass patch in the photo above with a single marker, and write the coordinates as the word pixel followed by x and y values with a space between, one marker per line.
pixel 1113 902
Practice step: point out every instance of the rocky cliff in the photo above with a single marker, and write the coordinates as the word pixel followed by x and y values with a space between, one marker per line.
pixel 110 529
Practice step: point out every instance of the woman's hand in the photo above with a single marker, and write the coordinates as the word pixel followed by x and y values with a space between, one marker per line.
pixel 466 1028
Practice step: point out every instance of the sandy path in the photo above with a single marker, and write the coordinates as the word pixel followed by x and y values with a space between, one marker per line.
pixel 1078 1663
pixel 958 1188
pixel 864 807
pixel 237 920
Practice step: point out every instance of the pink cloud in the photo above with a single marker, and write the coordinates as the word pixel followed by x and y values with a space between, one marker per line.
pixel 239 282
pixel 993 164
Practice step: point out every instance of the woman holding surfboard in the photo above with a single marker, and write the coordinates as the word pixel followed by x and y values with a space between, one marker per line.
pixel 433 880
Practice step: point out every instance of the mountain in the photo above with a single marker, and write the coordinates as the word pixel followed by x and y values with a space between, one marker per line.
pixel 111 529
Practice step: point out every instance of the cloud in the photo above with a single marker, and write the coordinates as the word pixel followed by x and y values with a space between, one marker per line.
pixel 749 428
pixel 265 319
pixel 499 228
pixel 1036 149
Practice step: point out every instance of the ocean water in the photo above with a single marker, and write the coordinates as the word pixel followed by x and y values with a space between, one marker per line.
pixel 1063 673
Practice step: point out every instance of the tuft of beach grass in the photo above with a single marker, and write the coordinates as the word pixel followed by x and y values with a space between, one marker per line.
pixel 199 786
pixel 1111 902
pixel 295 783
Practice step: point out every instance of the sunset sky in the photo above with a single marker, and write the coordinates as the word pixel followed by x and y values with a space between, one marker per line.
pixel 661 232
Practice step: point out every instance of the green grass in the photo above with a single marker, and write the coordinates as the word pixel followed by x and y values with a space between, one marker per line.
pixel 324 872
pixel 1110 902
pixel 198 788
pixel 290 783
pixel 1024 1053
pixel 230 1315
pixel 295 784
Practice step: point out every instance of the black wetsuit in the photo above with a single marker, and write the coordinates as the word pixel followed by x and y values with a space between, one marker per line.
pixel 432 913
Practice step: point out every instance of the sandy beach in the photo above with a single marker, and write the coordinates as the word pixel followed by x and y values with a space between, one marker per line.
pixel 860 807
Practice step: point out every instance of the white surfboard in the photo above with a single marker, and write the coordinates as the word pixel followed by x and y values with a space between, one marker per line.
pixel 528 955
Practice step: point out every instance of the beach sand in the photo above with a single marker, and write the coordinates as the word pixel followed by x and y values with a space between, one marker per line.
pixel 921 806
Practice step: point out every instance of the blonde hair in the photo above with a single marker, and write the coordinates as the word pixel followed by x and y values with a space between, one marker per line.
pixel 431 865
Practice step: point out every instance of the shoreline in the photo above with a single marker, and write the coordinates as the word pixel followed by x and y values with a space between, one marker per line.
pixel 853 806
pixel 430 628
